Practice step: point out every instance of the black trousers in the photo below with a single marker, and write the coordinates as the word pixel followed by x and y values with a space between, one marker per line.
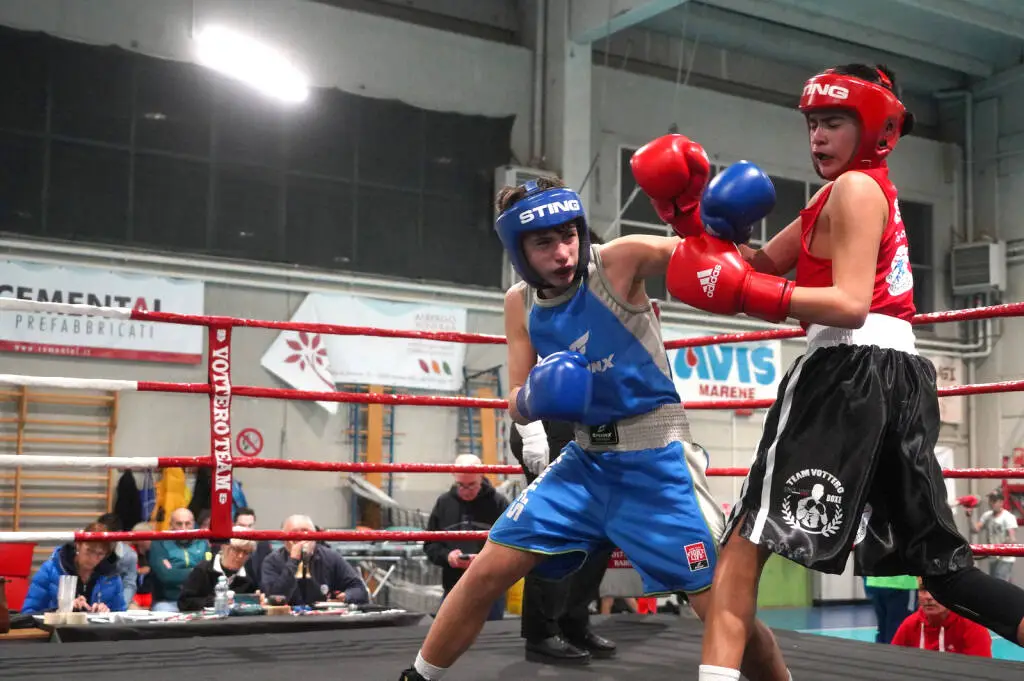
pixel 562 608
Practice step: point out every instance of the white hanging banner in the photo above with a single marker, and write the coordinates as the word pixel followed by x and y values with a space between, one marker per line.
pixel 319 362
pixel 84 336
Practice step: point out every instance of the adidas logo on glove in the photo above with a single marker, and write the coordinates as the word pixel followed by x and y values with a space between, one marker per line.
pixel 708 279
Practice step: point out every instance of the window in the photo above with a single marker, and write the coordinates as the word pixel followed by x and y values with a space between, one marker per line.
pixel 391 141
pixel 388 238
pixel 247 204
pixel 23 81
pixel 322 136
pixel 453 228
pixel 790 199
pixel 320 227
pixel 171 202
pixel 103 144
pixel 249 127
pixel 640 210
pixel 173 107
pixel 21 184
pixel 917 217
pixel 88 193
pixel 91 93
pixel 655 285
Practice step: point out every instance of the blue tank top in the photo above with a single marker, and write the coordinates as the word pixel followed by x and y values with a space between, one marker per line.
pixel 623 343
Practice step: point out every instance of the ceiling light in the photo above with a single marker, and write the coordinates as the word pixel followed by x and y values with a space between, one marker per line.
pixel 252 62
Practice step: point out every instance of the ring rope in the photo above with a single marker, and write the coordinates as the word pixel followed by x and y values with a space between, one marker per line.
pixel 18 305
pixel 135 463
pixel 404 399
pixel 221 391
pixel 334 535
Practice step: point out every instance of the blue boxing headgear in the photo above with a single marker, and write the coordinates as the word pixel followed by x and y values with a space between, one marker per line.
pixel 542 209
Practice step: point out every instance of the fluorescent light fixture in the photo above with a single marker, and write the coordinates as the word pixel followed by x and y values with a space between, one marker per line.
pixel 252 62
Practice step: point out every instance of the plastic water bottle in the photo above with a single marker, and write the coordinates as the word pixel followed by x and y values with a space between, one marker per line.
pixel 220 599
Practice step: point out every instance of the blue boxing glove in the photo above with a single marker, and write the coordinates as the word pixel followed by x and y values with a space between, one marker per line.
pixel 735 200
pixel 559 388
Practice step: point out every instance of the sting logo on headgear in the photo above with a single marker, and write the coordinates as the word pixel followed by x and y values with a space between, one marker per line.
pixel 882 116
pixel 542 209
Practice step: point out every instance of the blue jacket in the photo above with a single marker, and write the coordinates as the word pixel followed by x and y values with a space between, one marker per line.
pixel 42 593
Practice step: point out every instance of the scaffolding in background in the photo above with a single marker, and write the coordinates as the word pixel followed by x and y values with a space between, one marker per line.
pixel 59 423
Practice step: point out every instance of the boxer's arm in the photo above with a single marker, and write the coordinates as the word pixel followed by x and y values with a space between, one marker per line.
pixel 857 211
pixel 641 254
pixel 779 255
pixel 521 355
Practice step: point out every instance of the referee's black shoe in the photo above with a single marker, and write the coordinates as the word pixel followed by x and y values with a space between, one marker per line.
pixel 411 674
pixel 556 650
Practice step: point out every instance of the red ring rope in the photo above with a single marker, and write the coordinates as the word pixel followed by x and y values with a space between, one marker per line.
pixel 387 535
pixel 220 390
pixel 967 314
pixel 1004 310
pixel 494 402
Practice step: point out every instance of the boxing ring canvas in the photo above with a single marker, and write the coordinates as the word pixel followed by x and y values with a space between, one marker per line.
pixel 654 648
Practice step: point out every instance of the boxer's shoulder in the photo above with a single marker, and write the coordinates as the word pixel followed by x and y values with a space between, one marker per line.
pixel 855 190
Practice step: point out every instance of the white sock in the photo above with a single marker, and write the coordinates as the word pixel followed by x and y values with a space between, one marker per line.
pixel 429 671
pixel 789 674
pixel 711 673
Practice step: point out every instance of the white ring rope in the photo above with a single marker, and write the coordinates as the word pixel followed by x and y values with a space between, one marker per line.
pixel 23 537
pixel 18 305
pixel 65 382
pixel 46 461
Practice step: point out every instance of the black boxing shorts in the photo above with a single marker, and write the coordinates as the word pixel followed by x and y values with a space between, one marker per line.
pixel 847 458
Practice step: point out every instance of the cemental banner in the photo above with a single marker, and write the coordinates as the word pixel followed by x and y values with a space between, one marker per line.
pixel 318 362
pixel 731 371
pixel 70 335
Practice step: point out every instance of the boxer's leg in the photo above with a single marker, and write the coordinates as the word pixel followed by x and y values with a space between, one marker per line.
pixel 465 610
pixel 682 513
pixel 550 527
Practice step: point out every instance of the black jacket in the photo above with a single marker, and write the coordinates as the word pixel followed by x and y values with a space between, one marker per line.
pixel 254 566
pixel 198 590
pixel 560 433
pixel 453 514
pixel 326 574
pixel 128 506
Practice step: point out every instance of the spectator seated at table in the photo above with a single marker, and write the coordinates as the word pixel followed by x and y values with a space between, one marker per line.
pixel 306 572
pixel 246 519
pixel 94 563
pixel 144 590
pixel 173 560
pixel 198 591
pixel 127 558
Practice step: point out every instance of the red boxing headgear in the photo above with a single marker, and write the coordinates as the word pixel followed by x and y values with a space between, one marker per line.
pixel 883 118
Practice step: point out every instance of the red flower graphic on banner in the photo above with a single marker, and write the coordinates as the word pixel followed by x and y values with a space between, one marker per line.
pixel 309 351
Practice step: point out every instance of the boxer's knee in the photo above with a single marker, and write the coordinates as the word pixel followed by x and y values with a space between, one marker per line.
pixel 497 568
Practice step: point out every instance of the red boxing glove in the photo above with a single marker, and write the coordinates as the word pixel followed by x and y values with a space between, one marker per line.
pixel 673 171
pixel 710 274
pixel 969 501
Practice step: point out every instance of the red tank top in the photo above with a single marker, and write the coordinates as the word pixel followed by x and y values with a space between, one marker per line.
pixel 893 294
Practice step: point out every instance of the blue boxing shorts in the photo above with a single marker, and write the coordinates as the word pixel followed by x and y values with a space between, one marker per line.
pixel 652 502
